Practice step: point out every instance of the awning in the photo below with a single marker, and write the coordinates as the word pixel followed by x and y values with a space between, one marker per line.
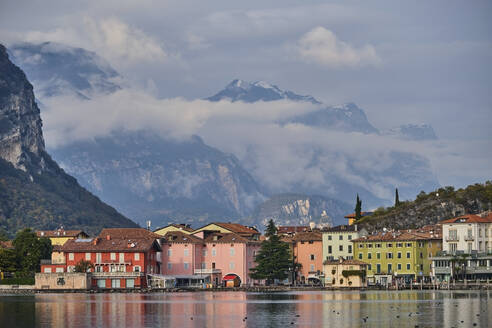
pixel 230 277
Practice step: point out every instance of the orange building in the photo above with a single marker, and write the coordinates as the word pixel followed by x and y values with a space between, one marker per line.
pixel 308 253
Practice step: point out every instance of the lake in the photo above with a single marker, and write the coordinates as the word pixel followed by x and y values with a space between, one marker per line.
pixel 243 309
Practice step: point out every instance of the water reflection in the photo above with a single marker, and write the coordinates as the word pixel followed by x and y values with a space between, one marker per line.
pixel 239 309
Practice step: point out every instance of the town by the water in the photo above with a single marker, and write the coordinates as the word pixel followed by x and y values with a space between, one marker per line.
pixel 452 254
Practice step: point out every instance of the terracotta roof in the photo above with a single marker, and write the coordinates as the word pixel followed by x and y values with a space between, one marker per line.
pixel 59 233
pixel 6 244
pixel 227 238
pixel 178 226
pixel 237 228
pixel 308 236
pixel 181 237
pixel 342 228
pixel 401 235
pixel 470 218
pixel 112 245
pixel 292 229
pixel 344 262
pixel 352 215
pixel 127 233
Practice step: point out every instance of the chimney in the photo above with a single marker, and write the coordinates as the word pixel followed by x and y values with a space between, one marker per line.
pixel 108 237
pixel 356 227
pixel 95 241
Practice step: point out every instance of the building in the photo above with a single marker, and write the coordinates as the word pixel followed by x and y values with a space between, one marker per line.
pixel 467 249
pixel 222 227
pixel 290 231
pixel 404 255
pixel 60 236
pixel 308 254
pixel 345 273
pixel 351 217
pixel 184 228
pixel 120 258
pixel 337 241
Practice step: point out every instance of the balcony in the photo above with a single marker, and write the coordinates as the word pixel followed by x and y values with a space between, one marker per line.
pixel 442 270
pixel 452 238
pixel 116 274
pixel 207 271
pixel 469 238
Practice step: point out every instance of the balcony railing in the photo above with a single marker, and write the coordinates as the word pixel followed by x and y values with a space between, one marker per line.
pixel 469 238
pixel 117 274
pixel 207 271
pixel 452 238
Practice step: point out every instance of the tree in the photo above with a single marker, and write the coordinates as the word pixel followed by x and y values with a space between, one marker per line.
pixel 273 260
pixel 358 208
pixel 29 250
pixel 397 198
pixel 8 261
pixel 83 266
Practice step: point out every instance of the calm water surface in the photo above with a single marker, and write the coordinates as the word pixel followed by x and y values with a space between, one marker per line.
pixel 230 309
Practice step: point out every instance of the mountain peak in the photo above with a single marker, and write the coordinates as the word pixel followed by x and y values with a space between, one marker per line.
pixel 241 90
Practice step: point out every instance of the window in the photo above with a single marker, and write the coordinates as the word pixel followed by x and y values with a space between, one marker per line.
pixel 214 252
pixel 390 268
pixel 115 283
pixel 70 256
pixel 113 256
pixel 470 246
pixel 421 255
pixel 59 270
pixel 399 255
pixel 378 255
pixel 399 244
pixel 369 245
pixel 87 256
pixel 378 245
pixel 186 265
pixel 408 255
pixel 453 234
pixel 169 266
pixel 349 237
pixel 186 252
pixel 231 265
pixel 389 245
pixel 360 256
pixel 409 244
pixel 480 232
pixel 122 257
pixel 98 268
pixel 453 247
pixel 130 283
pixel 311 267
pixel 232 251
pixel 136 256
pixel 329 249
pixel 389 255
pixel 369 256
pixel 101 283
pixel 169 252
pixel 204 265
pixel 98 257
pixel 378 268
pixel 340 237
pixel 350 249
pixel 361 245
pixel 47 270
pixel 329 237
pixel 340 248
pixel 311 242
pixel 312 257
pixel 408 266
pixel 398 266
pixel 204 252
pixel 369 267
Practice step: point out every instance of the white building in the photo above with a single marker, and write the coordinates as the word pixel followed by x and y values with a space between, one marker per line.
pixel 467 234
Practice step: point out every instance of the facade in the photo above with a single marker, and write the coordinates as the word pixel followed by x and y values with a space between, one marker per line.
pixel 467 252
pixel 345 273
pixel 337 241
pixel 404 255
pixel 60 236
pixel 308 253
pixel 118 260
pixel 223 227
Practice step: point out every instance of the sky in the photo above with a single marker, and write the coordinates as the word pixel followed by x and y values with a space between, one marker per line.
pixel 402 62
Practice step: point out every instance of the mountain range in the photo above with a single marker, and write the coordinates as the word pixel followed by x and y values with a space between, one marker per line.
pixel 147 176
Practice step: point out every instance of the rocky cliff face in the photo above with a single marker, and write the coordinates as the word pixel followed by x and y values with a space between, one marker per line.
pixel 34 191
pixel 298 209
pixel 149 177
pixel 21 138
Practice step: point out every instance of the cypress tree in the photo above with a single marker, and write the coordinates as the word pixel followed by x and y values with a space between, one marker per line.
pixel 273 259
pixel 397 198
pixel 358 208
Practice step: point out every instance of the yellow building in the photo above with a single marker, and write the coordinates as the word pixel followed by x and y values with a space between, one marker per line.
pixel 174 227
pixel 351 217
pixel 404 255
pixel 345 273
pixel 60 236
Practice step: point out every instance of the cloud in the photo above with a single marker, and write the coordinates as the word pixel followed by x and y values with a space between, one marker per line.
pixel 113 39
pixel 321 46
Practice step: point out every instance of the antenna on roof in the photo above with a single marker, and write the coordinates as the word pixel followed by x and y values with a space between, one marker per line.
pixel 148 224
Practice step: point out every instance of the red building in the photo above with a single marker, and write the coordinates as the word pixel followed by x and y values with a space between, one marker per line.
pixel 120 258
